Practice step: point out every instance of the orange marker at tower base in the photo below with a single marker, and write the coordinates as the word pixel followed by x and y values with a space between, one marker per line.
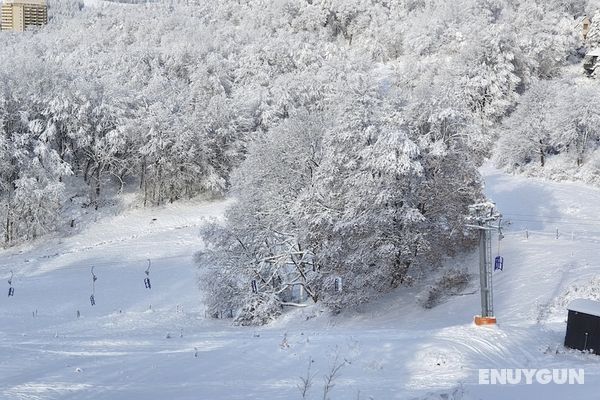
pixel 480 321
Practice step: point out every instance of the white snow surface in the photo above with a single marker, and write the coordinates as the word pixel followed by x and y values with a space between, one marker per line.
pixel 585 306
pixel 392 348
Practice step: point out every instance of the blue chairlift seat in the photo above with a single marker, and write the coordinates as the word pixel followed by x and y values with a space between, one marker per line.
pixel 499 263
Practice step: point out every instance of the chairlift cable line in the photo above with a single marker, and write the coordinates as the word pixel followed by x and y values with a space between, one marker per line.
pixel 567 223
pixel 550 217
pixel 84 264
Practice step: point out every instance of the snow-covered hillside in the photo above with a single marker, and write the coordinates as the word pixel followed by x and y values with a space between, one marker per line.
pixel 156 344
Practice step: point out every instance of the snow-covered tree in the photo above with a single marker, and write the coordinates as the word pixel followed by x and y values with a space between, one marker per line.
pixel 577 121
pixel 31 171
pixel 527 133
pixel 593 37
pixel 260 242
pixel 366 200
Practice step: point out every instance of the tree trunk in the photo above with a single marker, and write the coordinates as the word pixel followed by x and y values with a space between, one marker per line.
pixel 7 235
pixel 98 182
pixel 86 171
pixel 143 175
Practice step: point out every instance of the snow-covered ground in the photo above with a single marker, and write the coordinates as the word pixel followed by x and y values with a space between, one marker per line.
pixel 157 344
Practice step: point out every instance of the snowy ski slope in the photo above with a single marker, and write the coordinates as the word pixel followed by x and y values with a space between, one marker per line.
pixel 156 344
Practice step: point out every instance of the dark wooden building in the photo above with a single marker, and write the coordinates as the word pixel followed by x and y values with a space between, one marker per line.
pixel 583 326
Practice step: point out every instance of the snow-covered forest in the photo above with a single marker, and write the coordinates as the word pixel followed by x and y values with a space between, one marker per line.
pixel 349 132
pixel 272 199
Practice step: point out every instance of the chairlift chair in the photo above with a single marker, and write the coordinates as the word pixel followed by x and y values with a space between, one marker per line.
pixel 147 284
pixel 94 279
pixel 499 263
pixel 11 289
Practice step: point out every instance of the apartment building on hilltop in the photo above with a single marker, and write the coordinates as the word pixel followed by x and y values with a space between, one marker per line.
pixel 18 15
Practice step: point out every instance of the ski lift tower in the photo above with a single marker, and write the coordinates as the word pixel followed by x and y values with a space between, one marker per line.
pixel 482 215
